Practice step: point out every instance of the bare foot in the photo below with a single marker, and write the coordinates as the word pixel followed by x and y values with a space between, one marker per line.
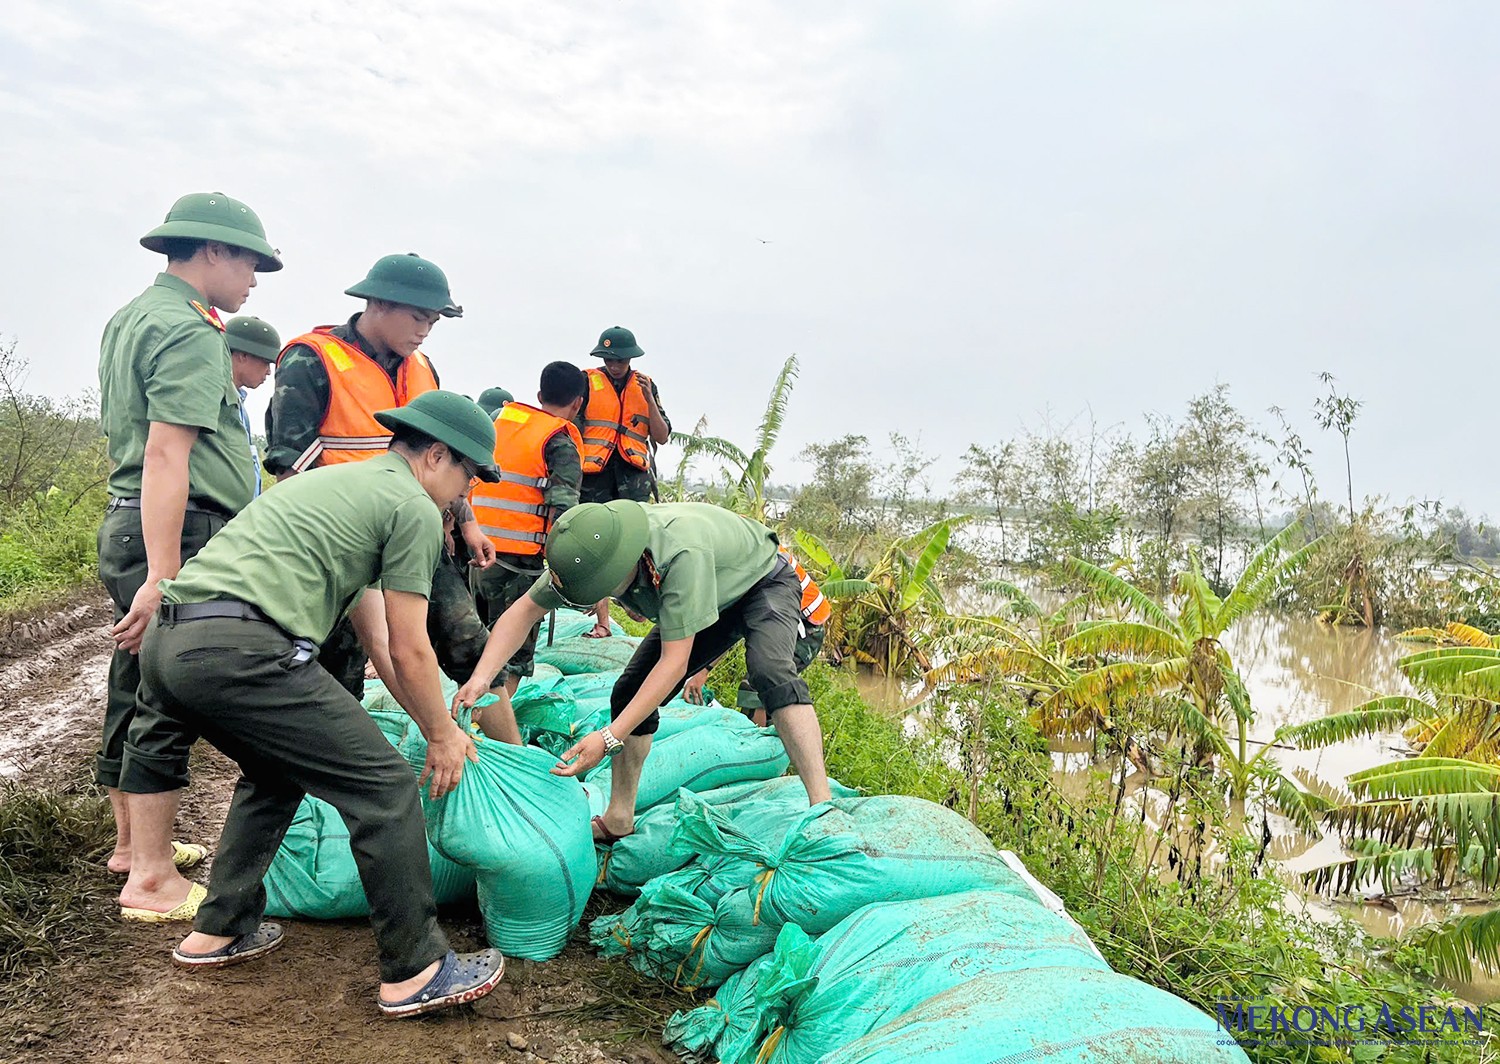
pixel 199 943
pixel 119 861
pixel 391 993
pixel 614 829
pixel 599 631
pixel 159 894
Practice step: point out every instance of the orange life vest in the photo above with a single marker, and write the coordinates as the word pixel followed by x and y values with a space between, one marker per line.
pixel 815 608
pixel 513 511
pixel 357 387
pixel 616 421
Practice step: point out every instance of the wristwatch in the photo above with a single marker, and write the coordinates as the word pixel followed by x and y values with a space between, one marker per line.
pixel 612 746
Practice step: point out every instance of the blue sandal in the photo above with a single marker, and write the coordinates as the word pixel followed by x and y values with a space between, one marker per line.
pixel 258 943
pixel 462 977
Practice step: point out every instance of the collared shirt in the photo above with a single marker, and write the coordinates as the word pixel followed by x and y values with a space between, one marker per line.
pixel 702 558
pixel 162 359
pixel 249 435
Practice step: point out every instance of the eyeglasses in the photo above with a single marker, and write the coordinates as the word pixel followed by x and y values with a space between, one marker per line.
pixel 469 467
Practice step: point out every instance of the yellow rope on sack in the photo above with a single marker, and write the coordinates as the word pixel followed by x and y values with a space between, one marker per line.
pixel 621 936
pixel 697 941
pixel 603 867
pixel 770 1046
pixel 764 879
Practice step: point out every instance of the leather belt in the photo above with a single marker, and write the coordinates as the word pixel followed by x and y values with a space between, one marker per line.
pixel 175 612
pixel 192 508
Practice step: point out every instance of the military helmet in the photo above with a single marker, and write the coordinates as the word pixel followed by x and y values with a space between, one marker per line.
pixel 617 344
pixel 409 280
pixel 451 419
pixel 214 216
pixel 492 399
pixel 593 547
pixel 250 335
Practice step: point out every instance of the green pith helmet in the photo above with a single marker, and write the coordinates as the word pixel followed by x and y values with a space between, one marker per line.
pixel 215 216
pixel 593 547
pixel 449 418
pixel 410 280
pixel 617 344
pixel 252 336
pixel 492 399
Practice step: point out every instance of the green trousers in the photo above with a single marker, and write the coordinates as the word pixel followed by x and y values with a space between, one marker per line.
pixel 293 730
pixel 122 568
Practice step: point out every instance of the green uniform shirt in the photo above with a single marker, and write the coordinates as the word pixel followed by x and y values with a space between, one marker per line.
pixel 303 551
pixel 161 359
pixel 705 557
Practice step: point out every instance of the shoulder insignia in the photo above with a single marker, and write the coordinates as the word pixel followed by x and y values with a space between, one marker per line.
pixel 210 315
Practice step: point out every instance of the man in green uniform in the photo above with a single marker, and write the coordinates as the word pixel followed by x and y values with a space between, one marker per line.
pixel 709 578
pixel 404 295
pixel 492 399
pixel 230 658
pixel 181 467
pixel 619 478
pixel 253 349
pixel 515 531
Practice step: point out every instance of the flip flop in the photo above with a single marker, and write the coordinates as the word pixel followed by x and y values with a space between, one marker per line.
pixel 186 910
pixel 187 855
pixel 605 837
pixel 462 977
pixel 258 943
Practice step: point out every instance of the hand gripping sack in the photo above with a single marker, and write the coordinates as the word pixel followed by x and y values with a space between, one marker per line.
pixel 526 834
pixel 1047 1016
pixel 885 960
pixel 701 759
pixel 847 853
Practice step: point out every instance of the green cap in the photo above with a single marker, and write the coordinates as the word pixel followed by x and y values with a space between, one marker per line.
pixel 492 399
pixel 215 216
pixel 252 336
pixel 617 344
pixel 593 547
pixel 409 280
pixel 449 418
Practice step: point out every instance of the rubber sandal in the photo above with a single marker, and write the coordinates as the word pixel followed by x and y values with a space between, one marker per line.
pixel 462 977
pixel 257 943
pixel 605 837
pixel 187 855
pixel 184 911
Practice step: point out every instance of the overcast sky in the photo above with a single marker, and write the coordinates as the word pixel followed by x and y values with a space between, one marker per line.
pixel 980 216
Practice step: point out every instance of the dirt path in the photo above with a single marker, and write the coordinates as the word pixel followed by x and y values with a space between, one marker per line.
pixel 312 1001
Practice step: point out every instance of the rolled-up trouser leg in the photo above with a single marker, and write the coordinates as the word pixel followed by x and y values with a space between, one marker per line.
pixel 293 728
pixel 771 616
pixel 708 646
pixel 122 569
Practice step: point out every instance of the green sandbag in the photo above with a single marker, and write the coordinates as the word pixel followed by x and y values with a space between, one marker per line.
pixel 884 961
pixel 570 625
pixel 701 759
pixel 526 834
pixel 544 703
pixel 313 875
pixel 850 852
pixel 772 805
pixel 1047 1016
pixel 581 654
pixel 719 1020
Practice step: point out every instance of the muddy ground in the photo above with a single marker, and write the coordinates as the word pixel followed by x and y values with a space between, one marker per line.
pixel 314 1000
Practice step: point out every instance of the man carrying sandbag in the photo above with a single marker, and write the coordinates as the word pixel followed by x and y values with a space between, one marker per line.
pixel 232 657
pixel 709 578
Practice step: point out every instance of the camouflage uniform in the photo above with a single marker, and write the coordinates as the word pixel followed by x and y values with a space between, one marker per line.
pixel 619 479
pixel 297 409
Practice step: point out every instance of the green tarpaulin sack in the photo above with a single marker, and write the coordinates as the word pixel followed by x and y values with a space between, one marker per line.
pixel 701 759
pixel 313 875
pixel 718 1021
pixel 570 625
pixel 884 961
pixel 544 704
pixel 1047 1016
pixel 850 852
pixel 774 803
pixel 581 654
pixel 526 834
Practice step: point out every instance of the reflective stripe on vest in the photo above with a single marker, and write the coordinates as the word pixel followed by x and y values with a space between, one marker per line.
pixel 513 511
pixel 611 420
pixel 357 387
pixel 815 608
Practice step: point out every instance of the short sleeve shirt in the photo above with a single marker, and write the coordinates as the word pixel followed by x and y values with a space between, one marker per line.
pixel 304 550
pixel 162 359
pixel 704 559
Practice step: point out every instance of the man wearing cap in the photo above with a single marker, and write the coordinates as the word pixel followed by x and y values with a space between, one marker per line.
pixel 537 453
pixel 622 425
pixel 230 658
pixel 180 468
pixel 329 384
pixel 709 578
pixel 253 349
